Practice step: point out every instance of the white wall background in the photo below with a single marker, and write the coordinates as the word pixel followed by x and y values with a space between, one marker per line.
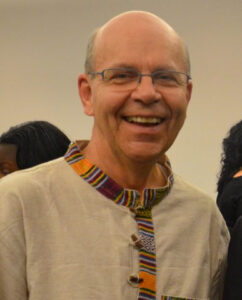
pixel 42 48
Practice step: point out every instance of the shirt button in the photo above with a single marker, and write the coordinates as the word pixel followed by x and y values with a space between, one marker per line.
pixel 134 280
pixel 136 241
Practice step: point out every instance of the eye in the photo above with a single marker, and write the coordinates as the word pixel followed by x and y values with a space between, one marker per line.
pixel 120 76
pixel 170 78
pixel 166 76
pixel 5 171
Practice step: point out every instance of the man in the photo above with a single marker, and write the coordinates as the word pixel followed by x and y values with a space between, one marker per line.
pixel 111 221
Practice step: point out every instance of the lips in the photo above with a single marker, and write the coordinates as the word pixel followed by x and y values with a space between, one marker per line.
pixel 145 121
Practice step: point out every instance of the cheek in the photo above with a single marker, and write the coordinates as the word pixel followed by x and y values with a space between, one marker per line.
pixel 177 105
pixel 107 103
pixel 179 115
pixel 177 102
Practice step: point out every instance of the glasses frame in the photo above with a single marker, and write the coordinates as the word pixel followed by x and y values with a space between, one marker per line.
pixel 139 74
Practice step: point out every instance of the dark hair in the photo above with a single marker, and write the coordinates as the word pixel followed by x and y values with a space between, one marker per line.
pixel 36 142
pixel 231 159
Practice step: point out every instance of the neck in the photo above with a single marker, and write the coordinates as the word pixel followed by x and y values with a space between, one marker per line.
pixel 130 174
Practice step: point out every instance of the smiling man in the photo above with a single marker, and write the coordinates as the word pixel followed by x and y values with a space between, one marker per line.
pixel 111 220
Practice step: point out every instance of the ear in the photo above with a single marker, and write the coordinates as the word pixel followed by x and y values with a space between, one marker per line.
pixel 189 90
pixel 85 92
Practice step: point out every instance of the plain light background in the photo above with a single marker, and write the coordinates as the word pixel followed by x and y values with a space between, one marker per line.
pixel 42 50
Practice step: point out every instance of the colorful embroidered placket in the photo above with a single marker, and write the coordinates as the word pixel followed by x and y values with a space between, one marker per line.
pixel 147 257
pixel 131 199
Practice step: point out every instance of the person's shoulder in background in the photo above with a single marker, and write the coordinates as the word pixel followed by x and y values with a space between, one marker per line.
pixel 230 201
pixel 233 280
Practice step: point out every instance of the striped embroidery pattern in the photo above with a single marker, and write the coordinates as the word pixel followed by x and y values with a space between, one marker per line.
pixel 147 257
pixel 131 199
pixel 173 298
pixel 73 154
pixel 99 180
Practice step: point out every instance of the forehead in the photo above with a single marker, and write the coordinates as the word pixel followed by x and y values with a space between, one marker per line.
pixel 7 151
pixel 138 42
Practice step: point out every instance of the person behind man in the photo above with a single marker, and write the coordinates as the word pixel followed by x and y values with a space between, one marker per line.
pixel 31 143
pixel 111 220
pixel 229 201
pixel 229 186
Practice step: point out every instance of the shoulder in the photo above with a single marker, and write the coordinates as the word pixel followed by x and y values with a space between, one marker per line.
pixel 203 213
pixel 185 190
pixel 232 190
pixel 235 182
pixel 197 205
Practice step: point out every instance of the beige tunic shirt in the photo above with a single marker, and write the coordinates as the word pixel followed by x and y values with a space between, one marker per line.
pixel 61 239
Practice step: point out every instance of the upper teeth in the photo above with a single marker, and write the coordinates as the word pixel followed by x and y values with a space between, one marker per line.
pixel 150 120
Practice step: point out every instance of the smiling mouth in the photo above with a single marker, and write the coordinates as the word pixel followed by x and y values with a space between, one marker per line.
pixel 144 121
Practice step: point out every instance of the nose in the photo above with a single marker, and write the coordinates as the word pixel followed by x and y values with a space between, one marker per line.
pixel 145 91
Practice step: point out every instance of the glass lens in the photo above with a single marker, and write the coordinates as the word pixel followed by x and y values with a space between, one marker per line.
pixel 169 78
pixel 120 76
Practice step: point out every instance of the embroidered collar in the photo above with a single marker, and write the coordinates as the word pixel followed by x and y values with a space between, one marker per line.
pixel 109 188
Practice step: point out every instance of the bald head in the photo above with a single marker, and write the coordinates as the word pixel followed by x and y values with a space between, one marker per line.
pixel 129 25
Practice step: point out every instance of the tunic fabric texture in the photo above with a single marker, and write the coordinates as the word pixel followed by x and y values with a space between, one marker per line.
pixel 61 238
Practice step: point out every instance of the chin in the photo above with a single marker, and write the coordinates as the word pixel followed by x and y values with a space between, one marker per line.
pixel 147 155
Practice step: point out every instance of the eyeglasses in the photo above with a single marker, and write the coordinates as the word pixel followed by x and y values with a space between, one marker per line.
pixel 130 78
